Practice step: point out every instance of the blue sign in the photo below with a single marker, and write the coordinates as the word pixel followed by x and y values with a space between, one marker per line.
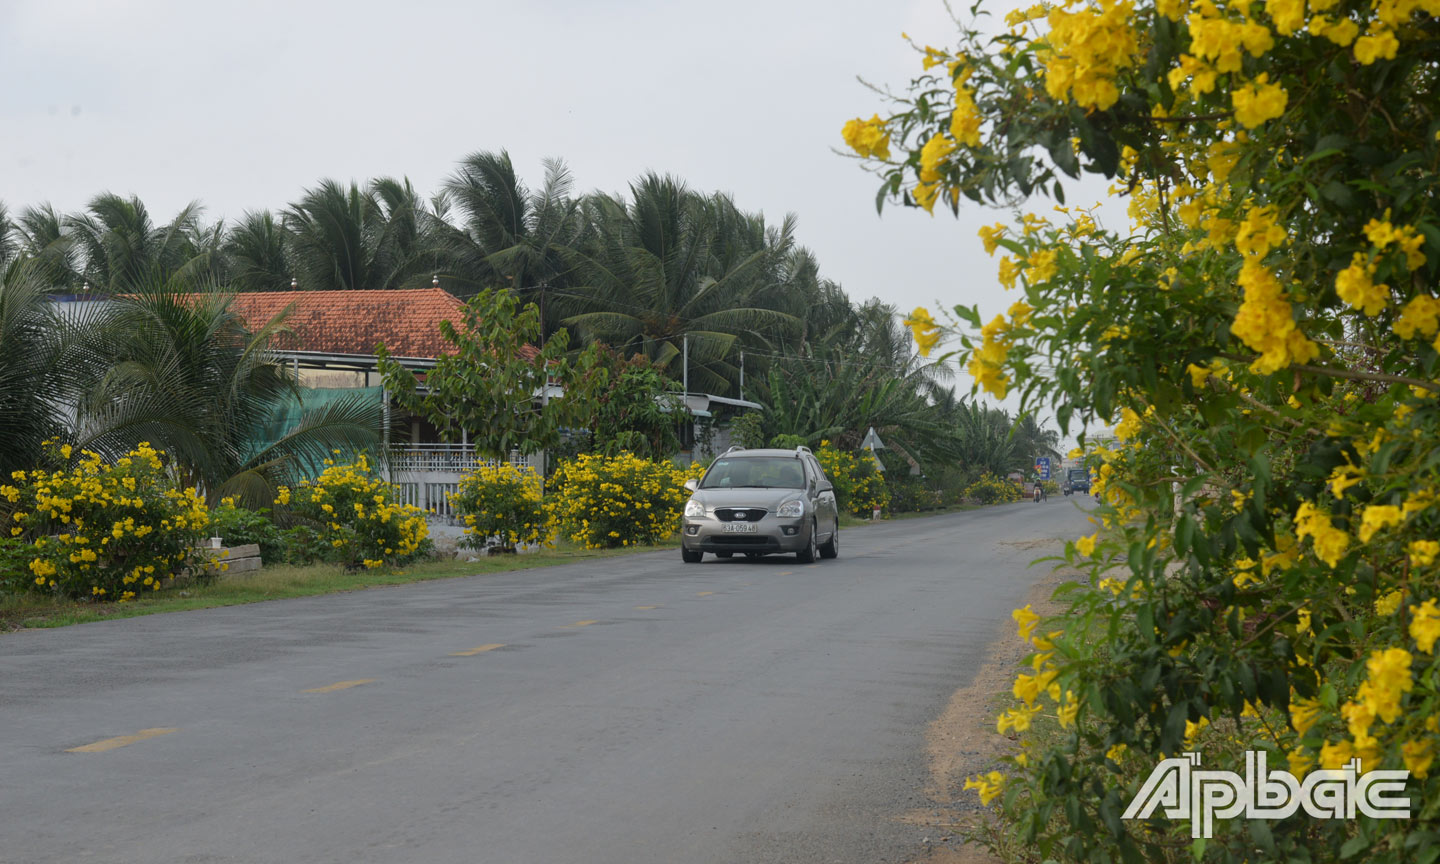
pixel 1042 465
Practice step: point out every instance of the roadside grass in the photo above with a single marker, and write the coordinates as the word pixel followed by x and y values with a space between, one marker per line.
pixel 279 581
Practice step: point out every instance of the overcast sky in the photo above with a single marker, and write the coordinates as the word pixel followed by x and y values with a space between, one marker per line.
pixel 243 105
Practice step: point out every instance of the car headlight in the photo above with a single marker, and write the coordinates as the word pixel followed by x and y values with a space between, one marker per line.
pixel 791 509
pixel 694 509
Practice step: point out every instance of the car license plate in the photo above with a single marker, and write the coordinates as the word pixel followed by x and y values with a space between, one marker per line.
pixel 740 528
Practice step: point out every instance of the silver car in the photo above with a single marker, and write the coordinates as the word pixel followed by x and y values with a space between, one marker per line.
pixel 759 502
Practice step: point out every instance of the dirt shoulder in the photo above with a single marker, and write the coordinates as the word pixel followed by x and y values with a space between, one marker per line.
pixel 962 741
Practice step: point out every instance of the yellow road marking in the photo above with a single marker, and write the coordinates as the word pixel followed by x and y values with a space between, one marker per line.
pixel 581 624
pixel 123 740
pixel 704 593
pixel 481 650
pixel 786 573
pixel 339 685
pixel 647 607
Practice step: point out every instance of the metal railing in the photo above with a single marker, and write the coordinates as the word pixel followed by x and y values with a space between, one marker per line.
pixel 443 457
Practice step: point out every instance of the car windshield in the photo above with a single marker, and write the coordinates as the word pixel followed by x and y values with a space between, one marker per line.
pixel 755 472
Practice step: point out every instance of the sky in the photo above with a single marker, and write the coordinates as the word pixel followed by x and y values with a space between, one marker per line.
pixel 244 105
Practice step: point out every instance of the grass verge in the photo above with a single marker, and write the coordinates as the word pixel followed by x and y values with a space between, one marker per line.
pixel 280 581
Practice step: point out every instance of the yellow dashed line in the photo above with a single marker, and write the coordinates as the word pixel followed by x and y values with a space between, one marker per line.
pixel 786 573
pixel 339 685
pixel 481 650
pixel 582 624
pixel 123 740
pixel 704 593
pixel 647 607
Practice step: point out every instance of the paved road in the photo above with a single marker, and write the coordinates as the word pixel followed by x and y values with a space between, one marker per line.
pixel 638 710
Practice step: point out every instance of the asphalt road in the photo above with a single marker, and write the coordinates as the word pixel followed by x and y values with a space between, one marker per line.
pixel 637 710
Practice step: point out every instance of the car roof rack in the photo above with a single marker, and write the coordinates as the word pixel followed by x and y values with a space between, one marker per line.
pixel 732 449
pixel 802 449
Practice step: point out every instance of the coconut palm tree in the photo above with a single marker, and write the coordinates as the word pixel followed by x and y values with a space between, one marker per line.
pixel 186 375
pixel 121 247
pixel 349 238
pixel 255 248
pixel 508 236
pixel 670 267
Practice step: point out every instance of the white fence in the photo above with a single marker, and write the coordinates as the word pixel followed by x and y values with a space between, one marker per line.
pixel 427 473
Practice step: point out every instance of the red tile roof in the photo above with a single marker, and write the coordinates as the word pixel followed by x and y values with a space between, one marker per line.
pixel 352 322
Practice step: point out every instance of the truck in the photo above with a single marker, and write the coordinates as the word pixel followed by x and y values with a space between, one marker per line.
pixel 1076 480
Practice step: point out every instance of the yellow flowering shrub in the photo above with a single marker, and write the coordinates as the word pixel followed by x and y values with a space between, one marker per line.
pixel 860 489
pixel 502 506
pixel 103 530
pixel 1263 333
pixel 602 502
pixel 357 515
pixel 990 489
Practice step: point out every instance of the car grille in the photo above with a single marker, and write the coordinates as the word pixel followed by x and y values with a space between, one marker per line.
pixel 740 514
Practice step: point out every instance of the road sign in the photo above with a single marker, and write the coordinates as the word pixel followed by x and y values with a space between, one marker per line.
pixel 1042 465
pixel 872 441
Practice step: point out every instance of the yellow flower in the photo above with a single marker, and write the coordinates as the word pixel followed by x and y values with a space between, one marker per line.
pixel 1425 625
pixel 1389 603
pixel 1259 101
pixel 924 329
pixel 990 236
pixel 1330 542
pixel 868 137
pixel 1418 757
pixel 1378 517
pixel 1303 713
pixel 1379 44
pixel 1026 619
pixel 1424 552
pixel 1355 286
pixel 1086 545
pixel 988 786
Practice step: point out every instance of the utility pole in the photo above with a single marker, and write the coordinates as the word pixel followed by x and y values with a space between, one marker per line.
pixel 742 374
pixel 685 363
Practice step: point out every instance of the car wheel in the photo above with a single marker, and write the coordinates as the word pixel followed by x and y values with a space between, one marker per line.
pixel 831 548
pixel 724 554
pixel 690 557
pixel 811 551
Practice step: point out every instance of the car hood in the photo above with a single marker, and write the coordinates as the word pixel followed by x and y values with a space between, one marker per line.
pixel 769 499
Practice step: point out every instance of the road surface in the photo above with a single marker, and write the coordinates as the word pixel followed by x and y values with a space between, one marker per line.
pixel 629 710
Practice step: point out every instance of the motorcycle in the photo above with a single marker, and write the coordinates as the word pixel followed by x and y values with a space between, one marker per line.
pixel 1039 493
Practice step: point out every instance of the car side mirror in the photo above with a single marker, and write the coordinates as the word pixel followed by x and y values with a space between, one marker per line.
pixel 826 486
pixel 692 484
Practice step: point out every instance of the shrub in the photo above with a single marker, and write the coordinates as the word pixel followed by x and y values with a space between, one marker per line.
pixel 910 494
pixel 104 530
pixel 609 501
pixel 239 526
pixel 859 486
pixel 358 515
pixel 502 507
pixel 748 430
pixel 787 442
pixel 990 489
pixel 302 544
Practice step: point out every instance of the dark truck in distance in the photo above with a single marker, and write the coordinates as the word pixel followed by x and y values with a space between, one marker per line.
pixel 1076 480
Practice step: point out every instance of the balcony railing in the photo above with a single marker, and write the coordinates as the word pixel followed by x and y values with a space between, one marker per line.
pixel 448 458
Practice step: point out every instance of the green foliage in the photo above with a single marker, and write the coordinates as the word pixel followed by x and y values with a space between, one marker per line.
pixel 502 507
pixel 748 430
pixel 635 409
pixel 487 384
pixel 304 545
pixel 602 502
pixel 239 527
pixel 787 442
pixel 911 494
